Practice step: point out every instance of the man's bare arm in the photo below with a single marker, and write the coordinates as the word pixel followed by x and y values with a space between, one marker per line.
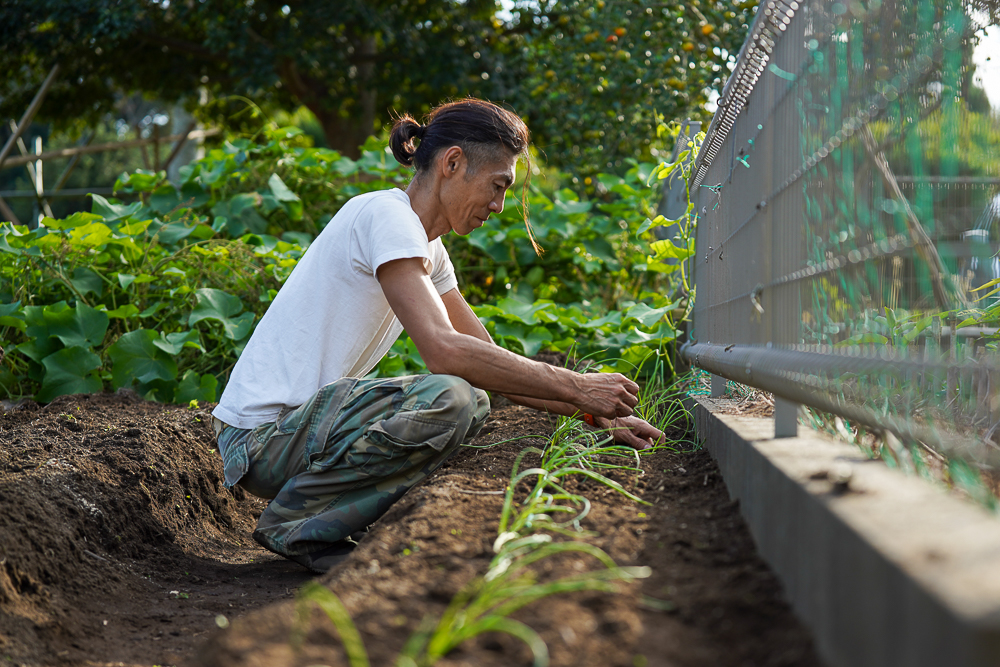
pixel 630 430
pixel 423 314
pixel 465 321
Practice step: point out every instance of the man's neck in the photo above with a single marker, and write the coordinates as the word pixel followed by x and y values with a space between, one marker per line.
pixel 427 206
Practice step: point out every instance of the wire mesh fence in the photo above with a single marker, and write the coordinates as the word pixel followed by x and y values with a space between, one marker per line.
pixel 848 201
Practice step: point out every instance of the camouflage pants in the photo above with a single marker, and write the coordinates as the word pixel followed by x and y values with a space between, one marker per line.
pixel 335 464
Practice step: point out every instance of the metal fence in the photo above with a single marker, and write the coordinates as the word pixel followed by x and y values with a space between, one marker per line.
pixel 848 200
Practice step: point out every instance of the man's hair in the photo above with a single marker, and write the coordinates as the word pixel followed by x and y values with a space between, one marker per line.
pixel 485 132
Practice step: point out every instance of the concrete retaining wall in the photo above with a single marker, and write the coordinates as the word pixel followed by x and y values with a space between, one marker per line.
pixel 887 570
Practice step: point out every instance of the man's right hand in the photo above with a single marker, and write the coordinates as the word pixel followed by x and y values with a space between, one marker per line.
pixel 607 395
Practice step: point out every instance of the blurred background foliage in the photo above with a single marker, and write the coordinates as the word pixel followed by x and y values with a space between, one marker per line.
pixel 157 279
pixel 162 292
pixel 592 77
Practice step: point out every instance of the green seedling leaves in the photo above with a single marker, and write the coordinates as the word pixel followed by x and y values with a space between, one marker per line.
pixel 71 370
pixel 136 357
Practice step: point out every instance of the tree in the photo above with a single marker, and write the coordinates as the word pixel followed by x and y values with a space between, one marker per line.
pixel 348 61
pixel 591 76
pixel 596 75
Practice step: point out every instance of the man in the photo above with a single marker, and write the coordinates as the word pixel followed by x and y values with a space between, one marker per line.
pixel 296 424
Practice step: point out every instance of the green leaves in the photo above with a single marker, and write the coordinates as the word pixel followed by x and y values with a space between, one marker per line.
pixel 288 198
pixel 667 250
pixel 109 212
pixel 153 292
pixel 645 315
pixel 11 315
pixel 81 326
pixel 224 308
pixel 193 387
pixel 136 357
pixel 71 370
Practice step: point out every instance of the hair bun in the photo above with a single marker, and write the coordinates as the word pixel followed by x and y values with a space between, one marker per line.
pixel 404 131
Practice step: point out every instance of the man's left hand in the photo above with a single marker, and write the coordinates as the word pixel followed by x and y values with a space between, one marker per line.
pixel 632 431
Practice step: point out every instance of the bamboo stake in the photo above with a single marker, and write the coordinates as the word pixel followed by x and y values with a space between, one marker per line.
pixel 142 147
pixel 101 148
pixel 29 113
pixel 34 169
pixel 921 241
pixel 180 144
pixel 8 213
pixel 64 176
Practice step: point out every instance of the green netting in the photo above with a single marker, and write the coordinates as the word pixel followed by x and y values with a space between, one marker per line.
pixel 850 207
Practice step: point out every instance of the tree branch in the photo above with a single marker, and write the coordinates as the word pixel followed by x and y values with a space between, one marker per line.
pixel 183 46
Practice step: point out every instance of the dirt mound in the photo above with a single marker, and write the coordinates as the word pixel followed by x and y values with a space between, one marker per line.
pixel 710 601
pixel 102 498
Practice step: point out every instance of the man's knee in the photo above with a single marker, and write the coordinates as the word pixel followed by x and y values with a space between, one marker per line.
pixel 451 399
pixel 447 395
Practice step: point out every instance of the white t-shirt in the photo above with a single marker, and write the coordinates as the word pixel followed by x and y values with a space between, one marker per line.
pixel 330 319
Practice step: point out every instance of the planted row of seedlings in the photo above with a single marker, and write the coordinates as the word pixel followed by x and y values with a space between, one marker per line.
pixel 526 535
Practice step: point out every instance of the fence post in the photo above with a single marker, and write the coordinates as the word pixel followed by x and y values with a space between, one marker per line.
pixel 786 418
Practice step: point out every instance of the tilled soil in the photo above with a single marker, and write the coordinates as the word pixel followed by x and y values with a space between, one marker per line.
pixel 119 545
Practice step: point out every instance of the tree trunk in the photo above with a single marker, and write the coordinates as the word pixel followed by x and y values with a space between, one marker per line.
pixel 344 135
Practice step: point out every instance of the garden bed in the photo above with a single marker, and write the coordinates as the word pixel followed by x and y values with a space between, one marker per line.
pixel 118 544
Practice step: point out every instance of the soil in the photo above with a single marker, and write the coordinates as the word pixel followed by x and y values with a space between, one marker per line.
pixel 120 546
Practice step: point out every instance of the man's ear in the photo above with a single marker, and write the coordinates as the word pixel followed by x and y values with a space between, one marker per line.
pixel 452 161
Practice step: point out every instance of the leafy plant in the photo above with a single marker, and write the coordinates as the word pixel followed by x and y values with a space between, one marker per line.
pixel 161 294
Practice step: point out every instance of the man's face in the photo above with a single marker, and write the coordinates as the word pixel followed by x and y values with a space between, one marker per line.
pixel 470 198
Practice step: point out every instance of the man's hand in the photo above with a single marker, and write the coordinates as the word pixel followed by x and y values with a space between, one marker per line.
pixel 607 395
pixel 632 431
